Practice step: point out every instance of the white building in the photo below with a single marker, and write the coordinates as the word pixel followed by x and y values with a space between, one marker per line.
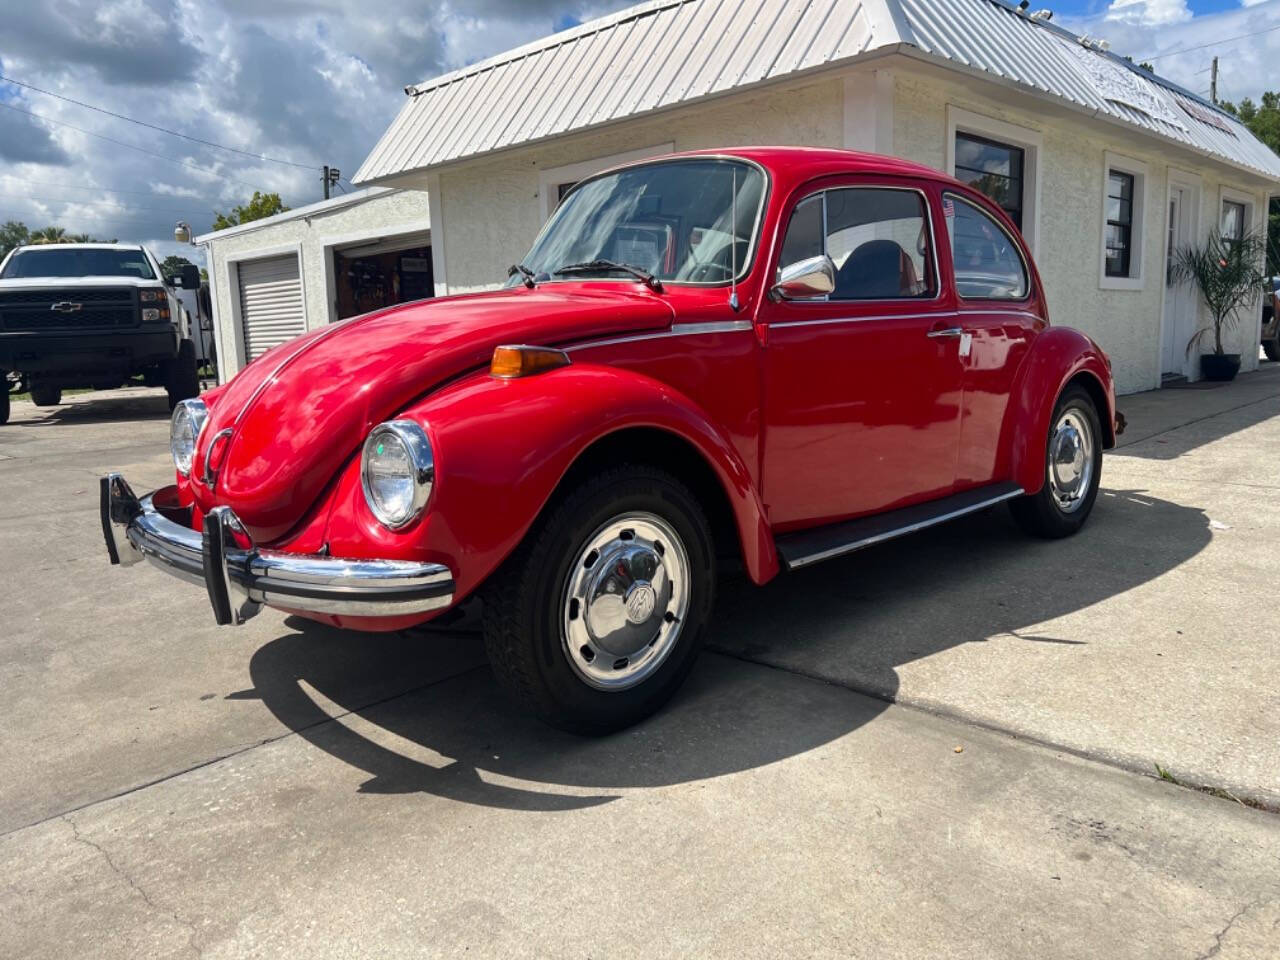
pixel 275 278
pixel 973 87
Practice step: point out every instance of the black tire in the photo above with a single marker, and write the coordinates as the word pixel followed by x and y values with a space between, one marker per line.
pixel 183 380
pixel 1272 349
pixel 4 407
pixel 525 600
pixel 44 395
pixel 1040 514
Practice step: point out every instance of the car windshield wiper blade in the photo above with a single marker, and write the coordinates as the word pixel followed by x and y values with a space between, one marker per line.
pixel 591 266
pixel 530 278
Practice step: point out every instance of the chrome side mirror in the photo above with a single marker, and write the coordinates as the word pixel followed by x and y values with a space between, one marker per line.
pixel 805 279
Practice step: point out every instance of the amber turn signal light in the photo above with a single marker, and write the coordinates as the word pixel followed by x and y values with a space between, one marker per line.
pixel 520 360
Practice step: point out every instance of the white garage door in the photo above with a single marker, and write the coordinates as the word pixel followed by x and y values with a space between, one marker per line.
pixel 271 309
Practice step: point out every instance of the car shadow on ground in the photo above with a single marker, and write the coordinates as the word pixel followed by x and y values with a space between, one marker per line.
pixel 460 738
pixel 87 408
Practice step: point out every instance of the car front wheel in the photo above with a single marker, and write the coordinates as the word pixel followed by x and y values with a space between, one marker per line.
pixel 1073 468
pixel 596 619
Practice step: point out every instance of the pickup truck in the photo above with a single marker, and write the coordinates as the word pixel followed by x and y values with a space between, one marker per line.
pixel 93 315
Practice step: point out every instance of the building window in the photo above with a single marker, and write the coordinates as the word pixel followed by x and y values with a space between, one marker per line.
pixel 1233 220
pixel 1119 239
pixel 1124 189
pixel 993 168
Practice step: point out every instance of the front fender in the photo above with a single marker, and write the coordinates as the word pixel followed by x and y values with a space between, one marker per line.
pixel 1058 356
pixel 501 448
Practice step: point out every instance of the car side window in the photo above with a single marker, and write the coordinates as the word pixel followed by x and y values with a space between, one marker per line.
pixel 986 259
pixel 878 240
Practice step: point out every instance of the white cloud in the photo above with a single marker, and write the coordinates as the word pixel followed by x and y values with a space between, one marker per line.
pixel 1149 12
pixel 315 81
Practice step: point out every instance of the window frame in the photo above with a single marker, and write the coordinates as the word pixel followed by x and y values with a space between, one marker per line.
pixel 1135 278
pixel 1029 140
pixel 1027 273
pixel 822 192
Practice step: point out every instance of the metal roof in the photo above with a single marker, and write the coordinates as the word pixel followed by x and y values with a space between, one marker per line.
pixel 310 210
pixel 668 52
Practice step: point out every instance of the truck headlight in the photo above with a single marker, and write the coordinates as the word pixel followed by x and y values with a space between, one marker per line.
pixel 397 472
pixel 184 430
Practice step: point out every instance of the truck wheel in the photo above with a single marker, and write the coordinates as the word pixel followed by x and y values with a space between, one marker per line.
pixel 1271 348
pixel 1073 469
pixel 183 380
pixel 4 407
pixel 44 395
pixel 596 619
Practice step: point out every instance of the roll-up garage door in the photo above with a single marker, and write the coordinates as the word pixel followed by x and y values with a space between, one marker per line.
pixel 271 307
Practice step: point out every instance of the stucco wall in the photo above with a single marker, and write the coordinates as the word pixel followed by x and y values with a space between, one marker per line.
pixel 390 213
pixel 1127 323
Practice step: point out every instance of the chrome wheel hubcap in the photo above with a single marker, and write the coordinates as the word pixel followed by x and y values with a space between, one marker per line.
pixel 1070 460
pixel 625 601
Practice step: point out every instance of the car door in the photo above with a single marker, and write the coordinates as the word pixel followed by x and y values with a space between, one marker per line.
pixel 862 387
pixel 1000 315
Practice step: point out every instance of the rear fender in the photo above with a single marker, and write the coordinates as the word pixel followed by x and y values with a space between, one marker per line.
pixel 1058 357
pixel 501 449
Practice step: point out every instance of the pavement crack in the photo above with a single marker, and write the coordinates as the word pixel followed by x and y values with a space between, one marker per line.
pixel 1218 937
pixel 192 932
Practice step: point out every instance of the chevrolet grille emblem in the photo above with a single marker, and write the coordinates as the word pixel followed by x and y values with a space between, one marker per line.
pixel 66 306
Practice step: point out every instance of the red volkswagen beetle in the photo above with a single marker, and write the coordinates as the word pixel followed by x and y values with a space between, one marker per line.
pixel 775 355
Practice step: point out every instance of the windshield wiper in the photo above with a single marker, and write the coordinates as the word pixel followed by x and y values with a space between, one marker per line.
pixel 591 266
pixel 529 278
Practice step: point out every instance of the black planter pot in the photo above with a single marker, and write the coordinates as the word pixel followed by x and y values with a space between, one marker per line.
pixel 1219 366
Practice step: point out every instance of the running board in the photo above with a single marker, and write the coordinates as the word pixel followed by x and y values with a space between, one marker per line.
pixel 822 543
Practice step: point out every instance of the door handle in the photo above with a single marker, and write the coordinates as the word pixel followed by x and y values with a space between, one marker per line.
pixel 945 333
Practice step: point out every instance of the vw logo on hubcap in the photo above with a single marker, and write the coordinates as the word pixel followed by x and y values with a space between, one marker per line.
pixel 640 602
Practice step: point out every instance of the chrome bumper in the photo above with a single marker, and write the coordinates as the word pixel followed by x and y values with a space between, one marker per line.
pixel 240 581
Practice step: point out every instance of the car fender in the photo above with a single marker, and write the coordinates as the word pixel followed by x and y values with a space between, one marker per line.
pixel 1058 356
pixel 502 447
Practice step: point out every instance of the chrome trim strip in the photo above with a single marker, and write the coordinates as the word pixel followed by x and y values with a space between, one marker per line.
pixel 677 330
pixel 305 582
pixel 893 534
pixel 1001 311
pixel 787 324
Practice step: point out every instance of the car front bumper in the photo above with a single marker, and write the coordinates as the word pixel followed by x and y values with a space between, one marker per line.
pixel 240 580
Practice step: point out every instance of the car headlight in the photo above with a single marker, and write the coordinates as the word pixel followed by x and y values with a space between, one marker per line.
pixel 184 430
pixel 397 471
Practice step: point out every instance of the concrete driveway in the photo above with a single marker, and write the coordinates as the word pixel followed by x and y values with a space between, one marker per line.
pixel 168 788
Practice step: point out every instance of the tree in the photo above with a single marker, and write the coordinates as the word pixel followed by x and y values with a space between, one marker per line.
pixel 261 205
pixel 172 265
pixel 1263 122
pixel 13 234
pixel 1226 272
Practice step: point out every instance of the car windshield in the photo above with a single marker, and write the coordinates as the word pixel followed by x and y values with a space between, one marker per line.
pixel 677 220
pixel 79 262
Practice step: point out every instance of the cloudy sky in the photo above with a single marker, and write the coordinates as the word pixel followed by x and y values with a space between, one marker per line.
pixel 317 81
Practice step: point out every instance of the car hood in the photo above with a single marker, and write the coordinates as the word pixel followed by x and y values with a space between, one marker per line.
pixel 299 411
pixel 65 283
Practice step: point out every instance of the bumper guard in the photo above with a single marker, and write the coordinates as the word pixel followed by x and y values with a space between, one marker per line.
pixel 241 580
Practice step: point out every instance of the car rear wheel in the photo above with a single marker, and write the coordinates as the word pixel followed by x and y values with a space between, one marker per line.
pixel 1073 469
pixel 183 382
pixel 45 395
pixel 597 618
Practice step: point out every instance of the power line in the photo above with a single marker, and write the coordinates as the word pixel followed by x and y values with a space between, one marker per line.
pixel 1211 43
pixel 129 146
pixel 152 126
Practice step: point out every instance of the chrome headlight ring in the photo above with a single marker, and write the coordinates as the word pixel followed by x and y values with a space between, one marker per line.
pixel 397 472
pixel 185 427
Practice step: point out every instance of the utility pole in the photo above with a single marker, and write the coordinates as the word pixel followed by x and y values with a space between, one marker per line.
pixel 329 177
pixel 1213 82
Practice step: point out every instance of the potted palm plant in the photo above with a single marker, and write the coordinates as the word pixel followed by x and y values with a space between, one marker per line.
pixel 1228 274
